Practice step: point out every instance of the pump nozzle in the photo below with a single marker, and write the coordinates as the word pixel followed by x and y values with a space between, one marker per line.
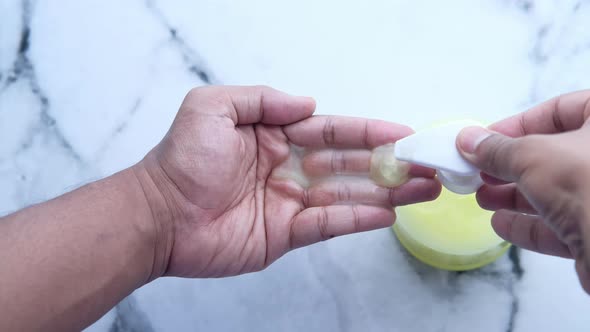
pixel 436 148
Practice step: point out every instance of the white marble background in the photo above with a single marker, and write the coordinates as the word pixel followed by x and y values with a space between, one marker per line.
pixel 88 87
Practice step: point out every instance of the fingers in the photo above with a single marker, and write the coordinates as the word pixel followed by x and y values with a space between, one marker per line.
pixel 488 179
pixel 506 197
pixel 366 192
pixel 505 158
pixel 563 113
pixel 344 132
pixel 330 161
pixel 250 104
pixel 321 223
pixel 335 161
pixel 583 270
pixel 528 232
pixel 500 156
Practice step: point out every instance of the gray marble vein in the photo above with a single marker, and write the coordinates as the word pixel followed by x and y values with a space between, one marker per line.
pixel 518 272
pixel 128 318
pixel 194 62
pixel 24 69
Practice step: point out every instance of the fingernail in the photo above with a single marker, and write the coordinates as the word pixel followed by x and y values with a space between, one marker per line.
pixel 469 138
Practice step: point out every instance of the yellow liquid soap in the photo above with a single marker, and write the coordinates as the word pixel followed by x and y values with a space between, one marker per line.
pixel 450 233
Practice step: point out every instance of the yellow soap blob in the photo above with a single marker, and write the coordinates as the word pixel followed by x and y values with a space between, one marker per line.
pixel 385 170
pixel 450 233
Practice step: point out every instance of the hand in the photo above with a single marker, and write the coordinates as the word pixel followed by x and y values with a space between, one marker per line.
pixel 232 196
pixel 537 169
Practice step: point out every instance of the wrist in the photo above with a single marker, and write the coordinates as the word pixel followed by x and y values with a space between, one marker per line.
pixel 159 205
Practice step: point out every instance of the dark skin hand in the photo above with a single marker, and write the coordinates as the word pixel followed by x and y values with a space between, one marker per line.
pixel 244 175
pixel 536 167
pixel 235 206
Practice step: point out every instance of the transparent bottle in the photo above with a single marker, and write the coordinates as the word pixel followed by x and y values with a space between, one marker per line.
pixel 452 232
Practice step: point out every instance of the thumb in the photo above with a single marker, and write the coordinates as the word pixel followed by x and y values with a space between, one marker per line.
pixel 254 104
pixel 493 153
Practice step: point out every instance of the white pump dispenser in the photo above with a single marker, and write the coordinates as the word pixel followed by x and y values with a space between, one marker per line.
pixel 436 148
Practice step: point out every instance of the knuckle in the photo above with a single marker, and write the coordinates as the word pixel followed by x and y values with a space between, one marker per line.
pixel 366 133
pixel 329 131
pixel 305 197
pixel 338 162
pixel 534 230
pixel 495 155
pixel 522 153
pixel 511 231
pixel 392 196
pixel 344 193
pixel 356 218
pixel 512 155
pixel 323 224
pixel 292 236
pixel 556 117
pixel 259 93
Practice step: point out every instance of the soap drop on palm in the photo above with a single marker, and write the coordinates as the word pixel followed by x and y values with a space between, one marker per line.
pixel 386 170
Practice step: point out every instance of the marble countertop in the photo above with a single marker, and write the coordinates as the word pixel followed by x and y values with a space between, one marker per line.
pixel 88 87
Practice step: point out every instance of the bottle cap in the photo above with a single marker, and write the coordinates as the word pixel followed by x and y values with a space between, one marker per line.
pixel 436 148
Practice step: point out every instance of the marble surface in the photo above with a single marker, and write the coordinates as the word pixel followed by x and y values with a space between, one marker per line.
pixel 88 87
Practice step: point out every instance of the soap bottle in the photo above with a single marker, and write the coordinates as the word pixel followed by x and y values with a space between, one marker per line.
pixel 452 232
pixel 435 148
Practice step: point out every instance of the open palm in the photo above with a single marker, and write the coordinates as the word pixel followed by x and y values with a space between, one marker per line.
pixel 250 174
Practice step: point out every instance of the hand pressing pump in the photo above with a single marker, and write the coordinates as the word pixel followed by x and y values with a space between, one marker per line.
pixel 436 148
